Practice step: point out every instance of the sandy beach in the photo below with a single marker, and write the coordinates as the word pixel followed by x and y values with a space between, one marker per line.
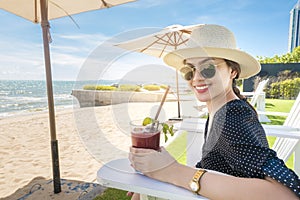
pixel 87 138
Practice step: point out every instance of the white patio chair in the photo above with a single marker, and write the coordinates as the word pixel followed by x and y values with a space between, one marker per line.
pixel 288 136
pixel 258 91
pixel 258 100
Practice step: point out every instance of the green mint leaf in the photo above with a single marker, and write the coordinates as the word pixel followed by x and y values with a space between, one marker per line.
pixel 171 130
pixel 165 128
pixel 166 137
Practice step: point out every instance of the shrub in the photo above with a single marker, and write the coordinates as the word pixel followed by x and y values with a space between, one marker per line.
pixel 105 87
pixel 99 87
pixel 89 87
pixel 274 91
pixel 151 87
pixel 164 87
pixel 128 87
pixel 287 89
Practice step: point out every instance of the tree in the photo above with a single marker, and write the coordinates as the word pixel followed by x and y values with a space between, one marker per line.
pixel 293 57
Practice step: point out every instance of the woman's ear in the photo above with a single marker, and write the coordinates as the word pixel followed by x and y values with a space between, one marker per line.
pixel 233 74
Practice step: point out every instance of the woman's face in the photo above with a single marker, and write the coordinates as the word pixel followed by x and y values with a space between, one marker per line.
pixel 207 87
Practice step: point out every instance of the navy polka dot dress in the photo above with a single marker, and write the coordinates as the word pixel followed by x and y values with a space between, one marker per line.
pixel 237 145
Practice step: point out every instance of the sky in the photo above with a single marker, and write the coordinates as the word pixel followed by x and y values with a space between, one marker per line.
pixel 261 28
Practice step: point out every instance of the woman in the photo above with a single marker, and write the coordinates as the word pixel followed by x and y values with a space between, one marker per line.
pixel 235 142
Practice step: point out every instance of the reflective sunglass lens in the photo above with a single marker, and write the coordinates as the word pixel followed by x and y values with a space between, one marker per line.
pixel 187 73
pixel 208 72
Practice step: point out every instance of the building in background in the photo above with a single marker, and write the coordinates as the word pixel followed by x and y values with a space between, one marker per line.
pixel 294 36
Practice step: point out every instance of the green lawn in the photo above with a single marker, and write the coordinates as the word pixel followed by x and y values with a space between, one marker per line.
pixel 279 105
pixel 113 194
pixel 178 147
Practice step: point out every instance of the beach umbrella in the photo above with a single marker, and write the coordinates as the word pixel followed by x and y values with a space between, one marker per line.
pixel 41 11
pixel 160 43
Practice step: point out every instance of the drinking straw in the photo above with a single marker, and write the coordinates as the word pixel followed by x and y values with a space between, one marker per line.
pixel 162 102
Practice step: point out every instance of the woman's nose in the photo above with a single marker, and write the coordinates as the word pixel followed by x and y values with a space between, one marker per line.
pixel 198 76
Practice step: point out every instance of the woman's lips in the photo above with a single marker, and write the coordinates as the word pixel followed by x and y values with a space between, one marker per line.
pixel 201 88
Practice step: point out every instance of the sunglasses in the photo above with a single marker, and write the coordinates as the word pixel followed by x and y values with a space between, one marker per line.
pixel 207 70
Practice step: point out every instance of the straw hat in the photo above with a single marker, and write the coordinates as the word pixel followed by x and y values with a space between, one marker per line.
pixel 214 41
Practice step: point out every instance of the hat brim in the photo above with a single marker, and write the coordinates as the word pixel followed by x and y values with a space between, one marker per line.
pixel 249 65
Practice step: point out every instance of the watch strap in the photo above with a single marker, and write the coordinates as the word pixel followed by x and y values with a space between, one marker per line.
pixel 197 177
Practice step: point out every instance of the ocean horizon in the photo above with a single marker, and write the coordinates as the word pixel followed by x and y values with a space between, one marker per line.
pixel 28 96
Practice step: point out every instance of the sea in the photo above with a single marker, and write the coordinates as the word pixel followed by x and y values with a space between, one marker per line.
pixel 27 96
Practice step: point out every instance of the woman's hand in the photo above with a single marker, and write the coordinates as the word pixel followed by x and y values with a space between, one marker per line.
pixel 155 164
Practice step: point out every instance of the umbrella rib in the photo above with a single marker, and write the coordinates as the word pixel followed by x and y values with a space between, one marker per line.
pixel 181 38
pixel 186 31
pixel 165 41
pixel 177 41
pixel 156 41
pixel 59 7
pixel 105 4
pixel 169 43
pixel 166 44
pixel 183 41
pixel 173 42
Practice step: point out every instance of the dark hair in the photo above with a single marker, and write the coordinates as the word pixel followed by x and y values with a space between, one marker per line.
pixel 236 67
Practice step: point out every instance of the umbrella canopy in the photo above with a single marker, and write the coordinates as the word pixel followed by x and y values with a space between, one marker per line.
pixel 160 43
pixel 31 9
pixel 40 11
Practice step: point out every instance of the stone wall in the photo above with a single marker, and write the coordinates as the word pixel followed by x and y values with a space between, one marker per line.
pixel 89 98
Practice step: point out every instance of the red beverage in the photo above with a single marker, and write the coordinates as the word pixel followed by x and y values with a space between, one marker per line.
pixel 146 140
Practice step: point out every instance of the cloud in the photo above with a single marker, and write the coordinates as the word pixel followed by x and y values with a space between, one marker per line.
pixel 88 39
pixel 20 60
pixel 25 59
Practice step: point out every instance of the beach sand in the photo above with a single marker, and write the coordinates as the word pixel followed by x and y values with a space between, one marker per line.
pixel 87 138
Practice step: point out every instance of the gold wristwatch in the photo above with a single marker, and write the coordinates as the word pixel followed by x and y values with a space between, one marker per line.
pixel 195 182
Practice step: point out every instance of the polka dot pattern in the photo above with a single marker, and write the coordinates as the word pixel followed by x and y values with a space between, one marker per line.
pixel 237 145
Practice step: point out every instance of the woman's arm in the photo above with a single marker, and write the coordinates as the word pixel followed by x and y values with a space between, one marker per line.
pixel 216 186
pixel 161 166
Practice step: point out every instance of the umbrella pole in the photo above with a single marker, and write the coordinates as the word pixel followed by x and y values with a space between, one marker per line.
pixel 54 142
pixel 178 100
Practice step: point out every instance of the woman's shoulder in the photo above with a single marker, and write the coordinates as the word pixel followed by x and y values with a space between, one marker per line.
pixel 238 120
pixel 236 107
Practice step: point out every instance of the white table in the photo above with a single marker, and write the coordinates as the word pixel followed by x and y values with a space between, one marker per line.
pixel 119 174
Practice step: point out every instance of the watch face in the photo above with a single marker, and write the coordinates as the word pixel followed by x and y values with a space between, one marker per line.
pixel 194 186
